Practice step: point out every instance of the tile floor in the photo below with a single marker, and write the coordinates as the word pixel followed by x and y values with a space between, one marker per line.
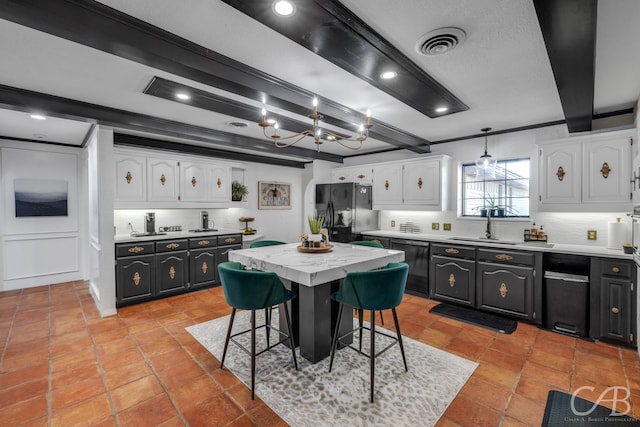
pixel 63 365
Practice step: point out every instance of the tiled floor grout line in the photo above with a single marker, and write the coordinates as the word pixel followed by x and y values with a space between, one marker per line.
pixel 13 319
pixel 50 379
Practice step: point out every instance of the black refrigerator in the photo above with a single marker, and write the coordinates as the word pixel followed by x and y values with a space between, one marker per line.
pixel 346 208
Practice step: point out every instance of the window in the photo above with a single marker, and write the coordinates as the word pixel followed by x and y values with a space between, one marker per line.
pixel 504 195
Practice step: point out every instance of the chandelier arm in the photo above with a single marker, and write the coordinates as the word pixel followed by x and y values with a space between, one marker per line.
pixel 281 138
pixel 289 144
pixel 348 146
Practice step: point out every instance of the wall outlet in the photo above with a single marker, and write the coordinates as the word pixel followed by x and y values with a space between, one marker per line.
pixel 435 226
pixel 592 234
pixel 393 223
pixel 446 226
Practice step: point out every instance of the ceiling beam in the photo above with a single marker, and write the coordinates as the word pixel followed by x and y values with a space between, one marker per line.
pixel 23 100
pixel 569 31
pixel 96 25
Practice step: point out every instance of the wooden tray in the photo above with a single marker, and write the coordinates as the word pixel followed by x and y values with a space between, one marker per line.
pixel 327 248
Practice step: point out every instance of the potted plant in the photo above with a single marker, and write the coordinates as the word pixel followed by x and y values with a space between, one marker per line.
pixel 238 191
pixel 315 226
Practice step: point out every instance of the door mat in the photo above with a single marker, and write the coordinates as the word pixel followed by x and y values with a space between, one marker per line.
pixel 476 317
pixel 559 412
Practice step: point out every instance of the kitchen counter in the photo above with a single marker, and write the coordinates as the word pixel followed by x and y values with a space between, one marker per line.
pixel 127 238
pixel 562 248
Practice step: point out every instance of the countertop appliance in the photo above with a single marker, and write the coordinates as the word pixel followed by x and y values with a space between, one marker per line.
pixel 150 222
pixel 347 210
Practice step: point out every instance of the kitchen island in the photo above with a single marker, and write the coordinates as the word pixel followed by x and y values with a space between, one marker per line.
pixel 313 277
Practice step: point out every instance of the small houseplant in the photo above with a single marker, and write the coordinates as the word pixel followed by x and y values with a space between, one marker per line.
pixel 315 226
pixel 238 191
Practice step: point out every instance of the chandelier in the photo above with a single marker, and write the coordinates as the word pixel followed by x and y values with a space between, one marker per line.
pixel 318 134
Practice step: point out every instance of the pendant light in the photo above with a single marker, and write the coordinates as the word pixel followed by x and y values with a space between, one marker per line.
pixel 486 164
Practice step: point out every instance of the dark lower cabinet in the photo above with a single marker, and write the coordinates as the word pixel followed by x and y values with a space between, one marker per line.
pixel 203 267
pixel 453 274
pixel 416 254
pixel 172 273
pixel 506 289
pixel 135 277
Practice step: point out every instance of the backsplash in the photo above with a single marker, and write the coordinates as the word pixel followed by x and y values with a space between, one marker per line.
pixel 565 227
pixel 188 219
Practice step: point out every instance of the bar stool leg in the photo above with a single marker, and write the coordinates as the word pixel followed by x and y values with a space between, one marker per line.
pixel 290 331
pixel 372 352
pixel 226 341
pixel 267 323
pixel 360 322
pixel 253 353
pixel 395 320
pixel 334 341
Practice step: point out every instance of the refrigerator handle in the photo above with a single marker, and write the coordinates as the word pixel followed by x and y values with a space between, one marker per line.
pixel 330 212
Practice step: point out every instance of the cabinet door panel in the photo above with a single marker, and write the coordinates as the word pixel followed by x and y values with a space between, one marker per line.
pixel 453 280
pixel 130 178
pixel 387 185
pixel 505 289
pixel 203 267
pixel 193 182
pixel 172 273
pixel 421 183
pixel 219 187
pixel 136 277
pixel 606 171
pixel 561 174
pixel 615 309
pixel 162 180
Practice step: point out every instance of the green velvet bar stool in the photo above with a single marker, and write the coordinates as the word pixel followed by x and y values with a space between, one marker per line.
pixel 254 290
pixel 372 290
pixel 372 244
pixel 261 243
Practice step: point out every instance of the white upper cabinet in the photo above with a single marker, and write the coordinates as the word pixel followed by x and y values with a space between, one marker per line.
pixel 162 180
pixel 193 185
pixel 591 171
pixel 607 171
pixel 359 174
pixel 411 184
pixel 387 186
pixel 219 183
pixel 561 173
pixel 421 183
pixel 131 179
pixel 157 181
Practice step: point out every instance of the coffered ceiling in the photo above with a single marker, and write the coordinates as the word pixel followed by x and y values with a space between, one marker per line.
pixel 519 64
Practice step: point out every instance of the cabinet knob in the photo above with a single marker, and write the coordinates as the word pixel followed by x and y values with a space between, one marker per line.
pixel 376 241
pixel 360 177
pixel 230 240
pixel 173 246
pixel 203 242
pixel 452 280
pixel 503 290
pixel 136 249
pixel 605 170
pixel 194 181
pixel 342 178
pixel 163 179
pixel 386 184
pixel 204 268
pixel 615 269
pixel 420 183
pixel 172 272
pixel 560 173
pixel 504 257
pixel 218 183
pixel 128 177
pixel 615 310
pixel 452 251
pixel 136 278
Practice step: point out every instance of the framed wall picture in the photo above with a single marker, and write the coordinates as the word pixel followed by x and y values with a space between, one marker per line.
pixel 274 195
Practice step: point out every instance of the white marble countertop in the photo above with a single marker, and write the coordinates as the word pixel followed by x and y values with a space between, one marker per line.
pixel 127 238
pixel 312 269
pixel 562 248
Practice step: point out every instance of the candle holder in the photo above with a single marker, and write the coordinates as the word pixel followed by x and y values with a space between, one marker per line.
pixel 247 229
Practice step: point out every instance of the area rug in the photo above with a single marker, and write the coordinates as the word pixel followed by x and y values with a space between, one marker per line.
pixel 476 317
pixel 559 412
pixel 313 396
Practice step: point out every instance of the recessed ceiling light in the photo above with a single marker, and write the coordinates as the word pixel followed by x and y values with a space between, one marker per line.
pixel 284 7
pixel 38 117
pixel 388 75
pixel 183 96
pixel 441 109
pixel 39 135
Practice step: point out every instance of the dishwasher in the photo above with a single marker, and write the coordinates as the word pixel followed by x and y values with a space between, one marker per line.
pixel 416 254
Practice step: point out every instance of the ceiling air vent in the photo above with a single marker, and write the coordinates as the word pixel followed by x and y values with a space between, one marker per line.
pixel 440 41
pixel 237 124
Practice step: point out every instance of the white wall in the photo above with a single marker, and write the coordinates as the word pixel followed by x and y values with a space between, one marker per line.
pixel 570 228
pixel 280 224
pixel 40 250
